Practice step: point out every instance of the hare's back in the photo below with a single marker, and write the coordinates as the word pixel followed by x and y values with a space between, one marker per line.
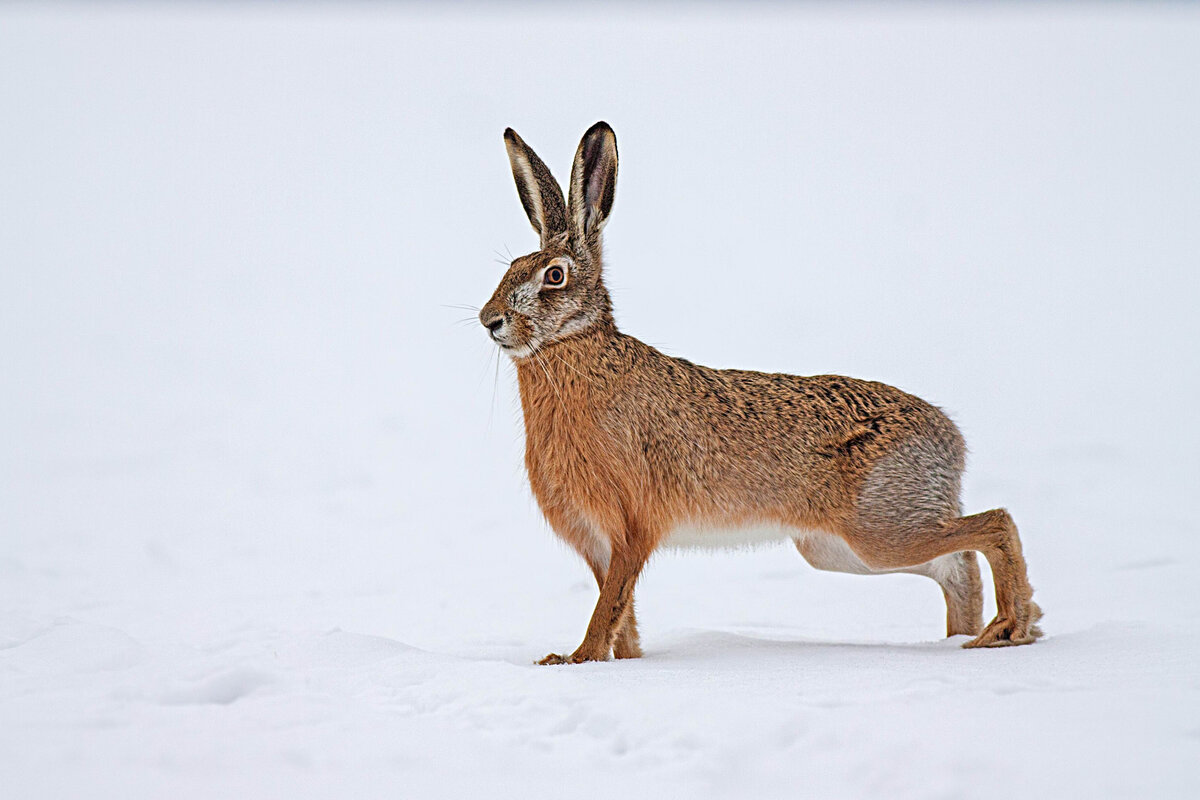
pixel 859 418
pixel 864 440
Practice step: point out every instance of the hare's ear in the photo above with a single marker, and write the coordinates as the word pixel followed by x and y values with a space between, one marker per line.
pixel 540 193
pixel 593 181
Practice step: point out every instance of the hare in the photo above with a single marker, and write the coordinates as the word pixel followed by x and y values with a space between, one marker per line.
pixel 629 450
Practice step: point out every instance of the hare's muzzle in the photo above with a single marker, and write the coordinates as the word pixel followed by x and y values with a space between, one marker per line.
pixel 493 322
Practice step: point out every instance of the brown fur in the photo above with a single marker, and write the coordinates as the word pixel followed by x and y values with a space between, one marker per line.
pixel 625 444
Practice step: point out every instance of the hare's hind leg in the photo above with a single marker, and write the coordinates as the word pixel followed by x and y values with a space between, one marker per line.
pixel 992 533
pixel 956 573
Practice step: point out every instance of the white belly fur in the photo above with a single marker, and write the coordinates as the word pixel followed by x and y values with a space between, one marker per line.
pixel 822 550
pixel 696 537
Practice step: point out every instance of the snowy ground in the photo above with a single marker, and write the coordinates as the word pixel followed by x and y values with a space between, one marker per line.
pixel 263 525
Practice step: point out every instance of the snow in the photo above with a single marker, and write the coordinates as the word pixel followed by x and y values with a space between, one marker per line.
pixel 264 530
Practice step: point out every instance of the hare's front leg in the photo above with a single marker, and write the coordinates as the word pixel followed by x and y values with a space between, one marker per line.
pixel 595 551
pixel 626 642
pixel 613 611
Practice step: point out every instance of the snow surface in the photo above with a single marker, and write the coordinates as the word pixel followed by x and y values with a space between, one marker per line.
pixel 264 530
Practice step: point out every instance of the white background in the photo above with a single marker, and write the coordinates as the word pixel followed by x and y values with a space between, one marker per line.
pixel 264 528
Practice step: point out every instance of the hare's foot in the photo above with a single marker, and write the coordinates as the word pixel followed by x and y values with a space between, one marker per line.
pixel 1007 631
pixel 626 646
pixel 578 657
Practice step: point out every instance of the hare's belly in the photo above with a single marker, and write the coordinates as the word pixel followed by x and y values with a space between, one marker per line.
pixel 821 549
pixel 696 537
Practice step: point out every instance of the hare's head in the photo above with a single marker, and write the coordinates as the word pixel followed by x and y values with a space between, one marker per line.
pixel 558 291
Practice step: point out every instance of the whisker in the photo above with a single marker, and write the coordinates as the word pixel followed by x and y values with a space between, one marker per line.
pixel 564 362
pixel 546 372
pixel 483 372
pixel 495 388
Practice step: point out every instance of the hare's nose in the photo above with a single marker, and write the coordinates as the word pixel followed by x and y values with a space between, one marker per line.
pixel 495 323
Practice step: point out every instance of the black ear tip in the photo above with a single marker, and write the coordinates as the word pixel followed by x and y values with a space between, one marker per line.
pixel 510 135
pixel 600 127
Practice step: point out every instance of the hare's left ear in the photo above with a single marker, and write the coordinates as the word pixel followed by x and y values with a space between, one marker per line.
pixel 593 182
pixel 540 194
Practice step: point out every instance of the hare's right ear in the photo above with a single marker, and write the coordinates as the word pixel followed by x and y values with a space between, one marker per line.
pixel 540 193
pixel 593 183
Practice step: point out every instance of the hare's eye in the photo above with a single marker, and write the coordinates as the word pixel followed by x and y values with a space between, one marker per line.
pixel 555 276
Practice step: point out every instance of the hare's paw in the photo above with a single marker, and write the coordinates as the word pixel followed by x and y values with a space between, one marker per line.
pixel 1000 632
pixel 578 657
pixel 584 654
pixel 1007 631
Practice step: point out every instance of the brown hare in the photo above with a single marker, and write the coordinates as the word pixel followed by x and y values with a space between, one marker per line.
pixel 629 450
